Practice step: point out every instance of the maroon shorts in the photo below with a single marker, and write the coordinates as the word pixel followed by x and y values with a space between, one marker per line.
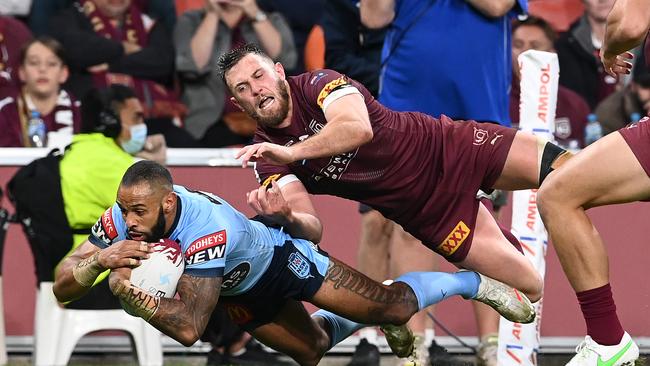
pixel 637 137
pixel 473 157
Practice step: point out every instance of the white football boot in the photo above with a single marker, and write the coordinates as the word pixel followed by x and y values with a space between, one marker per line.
pixel 590 353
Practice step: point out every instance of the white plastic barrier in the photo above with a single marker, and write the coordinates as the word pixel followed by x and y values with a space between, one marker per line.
pixel 10 156
pixel 519 343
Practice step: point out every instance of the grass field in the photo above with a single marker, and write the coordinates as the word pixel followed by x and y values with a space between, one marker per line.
pixel 198 360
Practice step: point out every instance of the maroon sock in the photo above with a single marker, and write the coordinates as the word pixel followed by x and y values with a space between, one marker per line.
pixel 599 311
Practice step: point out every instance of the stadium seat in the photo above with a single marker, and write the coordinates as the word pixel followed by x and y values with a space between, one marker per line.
pixel 57 330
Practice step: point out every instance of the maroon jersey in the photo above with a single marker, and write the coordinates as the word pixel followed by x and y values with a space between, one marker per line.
pixel 66 114
pixel 411 171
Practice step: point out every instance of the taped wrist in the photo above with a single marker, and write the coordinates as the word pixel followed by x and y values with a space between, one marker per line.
pixel 136 301
pixel 86 271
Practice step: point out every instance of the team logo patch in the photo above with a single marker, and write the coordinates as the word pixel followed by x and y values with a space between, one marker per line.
pixel 562 127
pixel 236 275
pixel 238 313
pixel 267 182
pixel 299 265
pixel 104 229
pixel 480 136
pixel 329 87
pixel 206 248
pixel 453 241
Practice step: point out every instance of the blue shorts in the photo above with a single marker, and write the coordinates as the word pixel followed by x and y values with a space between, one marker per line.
pixel 292 274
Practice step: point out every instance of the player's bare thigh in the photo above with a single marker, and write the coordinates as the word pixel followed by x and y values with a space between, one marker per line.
pixel 494 256
pixel 521 170
pixel 295 333
pixel 606 172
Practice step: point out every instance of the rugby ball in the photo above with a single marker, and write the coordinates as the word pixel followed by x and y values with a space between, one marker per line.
pixel 159 274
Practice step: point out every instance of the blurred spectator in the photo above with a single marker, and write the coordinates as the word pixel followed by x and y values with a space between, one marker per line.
pixel 581 70
pixel 42 10
pixel 572 110
pixel 113 134
pixel 425 70
pixel 40 108
pixel 351 48
pixel 201 36
pixel 302 17
pixel 625 106
pixel 18 8
pixel 13 36
pixel 128 48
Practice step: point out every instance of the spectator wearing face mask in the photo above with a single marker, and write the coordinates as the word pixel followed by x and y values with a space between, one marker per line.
pixel 113 137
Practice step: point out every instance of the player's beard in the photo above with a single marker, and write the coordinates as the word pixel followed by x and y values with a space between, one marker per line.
pixel 273 120
pixel 158 229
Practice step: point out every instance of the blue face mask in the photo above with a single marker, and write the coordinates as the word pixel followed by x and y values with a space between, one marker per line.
pixel 138 138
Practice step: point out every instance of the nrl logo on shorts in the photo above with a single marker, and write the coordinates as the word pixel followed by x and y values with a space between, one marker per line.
pixel 299 265
pixel 480 136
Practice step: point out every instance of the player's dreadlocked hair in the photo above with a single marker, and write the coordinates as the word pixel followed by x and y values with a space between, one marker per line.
pixel 148 171
pixel 232 57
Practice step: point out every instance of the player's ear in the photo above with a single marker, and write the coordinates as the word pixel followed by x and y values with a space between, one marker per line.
pixel 169 201
pixel 280 70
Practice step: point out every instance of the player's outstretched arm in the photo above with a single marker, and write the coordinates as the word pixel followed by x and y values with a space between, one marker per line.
pixel 183 319
pixel 627 25
pixel 77 272
pixel 348 127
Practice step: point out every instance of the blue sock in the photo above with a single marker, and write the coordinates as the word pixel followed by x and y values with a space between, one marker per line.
pixel 340 328
pixel 433 287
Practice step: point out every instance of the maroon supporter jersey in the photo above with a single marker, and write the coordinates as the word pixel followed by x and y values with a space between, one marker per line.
pixel 419 171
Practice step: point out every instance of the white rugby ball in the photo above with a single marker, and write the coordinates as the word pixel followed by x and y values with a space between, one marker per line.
pixel 159 274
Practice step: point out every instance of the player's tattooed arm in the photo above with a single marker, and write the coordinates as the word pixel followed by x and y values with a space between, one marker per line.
pixel 186 319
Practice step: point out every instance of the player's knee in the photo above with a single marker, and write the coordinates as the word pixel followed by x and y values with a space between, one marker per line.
pixel 550 196
pixel 535 289
pixel 374 222
pixel 313 356
pixel 398 313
